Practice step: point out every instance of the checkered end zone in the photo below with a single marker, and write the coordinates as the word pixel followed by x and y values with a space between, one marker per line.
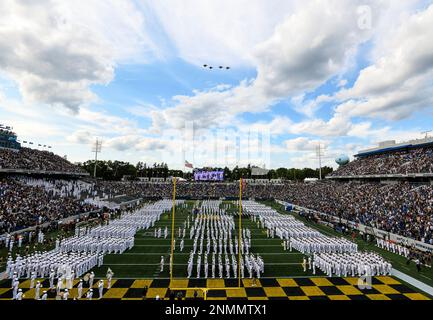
pixel 382 288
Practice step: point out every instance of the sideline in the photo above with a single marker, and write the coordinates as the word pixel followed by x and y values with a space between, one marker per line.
pixel 412 281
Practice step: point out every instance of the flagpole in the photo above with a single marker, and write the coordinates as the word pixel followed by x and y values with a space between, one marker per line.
pixel 172 230
pixel 183 155
pixel 240 231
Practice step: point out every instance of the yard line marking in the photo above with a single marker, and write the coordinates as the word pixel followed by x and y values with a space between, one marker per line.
pixel 185 264
pixel 184 253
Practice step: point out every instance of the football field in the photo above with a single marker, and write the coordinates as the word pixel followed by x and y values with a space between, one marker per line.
pixel 283 277
pixel 143 261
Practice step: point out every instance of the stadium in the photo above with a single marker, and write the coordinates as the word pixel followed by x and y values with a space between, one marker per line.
pixel 64 233
pixel 255 156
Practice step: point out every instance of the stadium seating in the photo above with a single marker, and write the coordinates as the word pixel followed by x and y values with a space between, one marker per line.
pixel 23 206
pixel 405 209
pixel 35 160
pixel 402 208
pixel 418 160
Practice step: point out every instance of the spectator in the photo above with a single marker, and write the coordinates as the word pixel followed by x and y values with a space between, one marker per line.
pixel 32 159
pixel 419 160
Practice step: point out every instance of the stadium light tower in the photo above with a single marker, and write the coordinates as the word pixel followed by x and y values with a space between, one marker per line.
pixel 319 155
pixel 96 149
pixel 426 133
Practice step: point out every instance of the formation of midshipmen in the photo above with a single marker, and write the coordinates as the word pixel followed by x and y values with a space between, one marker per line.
pixel 215 248
pixel 216 245
pixel 393 247
pixel 352 264
pixel 332 255
pixel 76 255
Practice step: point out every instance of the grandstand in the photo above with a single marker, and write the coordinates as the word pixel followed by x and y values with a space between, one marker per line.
pixel 17 159
pixel 411 160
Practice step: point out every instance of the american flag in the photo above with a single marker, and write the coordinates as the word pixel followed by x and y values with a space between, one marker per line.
pixel 188 165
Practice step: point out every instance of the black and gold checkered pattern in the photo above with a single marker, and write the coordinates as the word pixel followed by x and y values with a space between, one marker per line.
pixel 382 288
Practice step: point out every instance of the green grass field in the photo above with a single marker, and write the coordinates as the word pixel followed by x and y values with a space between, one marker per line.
pixel 143 260
pixel 141 266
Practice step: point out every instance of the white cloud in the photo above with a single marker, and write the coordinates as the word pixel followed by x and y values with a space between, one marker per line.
pixel 278 125
pixel 217 32
pixel 141 110
pixel 342 83
pixel 55 50
pixel 300 55
pixel 399 83
pixel 305 144
pixel 309 107
pixel 81 137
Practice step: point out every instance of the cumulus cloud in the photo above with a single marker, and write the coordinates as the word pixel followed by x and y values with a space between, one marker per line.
pixel 81 137
pixel 55 50
pixel 217 32
pixel 135 142
pixel 300 55
pixel 305 144
pixel 399 83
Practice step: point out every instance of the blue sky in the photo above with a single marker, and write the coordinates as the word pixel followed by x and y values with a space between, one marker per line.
pixel 340 74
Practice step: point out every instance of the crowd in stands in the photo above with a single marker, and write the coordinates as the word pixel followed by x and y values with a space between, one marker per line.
pixel 194 190
pixel 32 159
pixel 78 189
pixel 419 160
pixel 402 208
pixel 23 205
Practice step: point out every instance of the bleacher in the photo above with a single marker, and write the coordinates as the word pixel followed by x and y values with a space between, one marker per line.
pixel 412 159
pixel 15 159
pixel 26 160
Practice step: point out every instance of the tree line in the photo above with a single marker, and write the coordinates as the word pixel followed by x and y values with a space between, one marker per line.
pixel 116 170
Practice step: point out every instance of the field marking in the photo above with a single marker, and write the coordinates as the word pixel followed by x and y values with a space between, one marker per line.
pixel 186 253
pixel 186 278
pixel 189 245
pixel 185 264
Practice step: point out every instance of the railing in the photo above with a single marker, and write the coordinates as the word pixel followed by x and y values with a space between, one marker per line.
pixel 47 172
pixel 375 176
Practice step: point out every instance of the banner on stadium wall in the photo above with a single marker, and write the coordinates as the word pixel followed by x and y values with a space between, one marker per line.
pixel 370 230
pixel 209 175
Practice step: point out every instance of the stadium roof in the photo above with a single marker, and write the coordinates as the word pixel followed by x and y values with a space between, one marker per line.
pixel 389 146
